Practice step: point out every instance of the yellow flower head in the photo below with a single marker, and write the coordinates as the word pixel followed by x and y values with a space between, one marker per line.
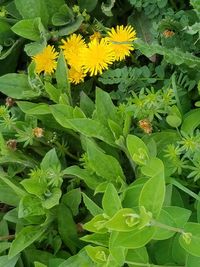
pixel 121 40
pixel 46 60
pixel 76 76
pixel 97 56
pixel 95 35
pixel 72 48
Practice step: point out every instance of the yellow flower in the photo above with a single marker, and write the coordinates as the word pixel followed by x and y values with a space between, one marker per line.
pixel 121 39
pixel 72 48
pixel 97 56
pixel 46 60
pixel 95 35
pixel 76 76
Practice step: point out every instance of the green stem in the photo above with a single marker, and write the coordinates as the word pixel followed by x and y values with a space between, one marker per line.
pixel 127 125
pixel 167 227
pixel 7 237
pixel 176 92
pixel 149 264
pixel 184 189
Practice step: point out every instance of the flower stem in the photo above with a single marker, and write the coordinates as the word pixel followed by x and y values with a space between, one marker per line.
pixel 167 227
pixel 149 264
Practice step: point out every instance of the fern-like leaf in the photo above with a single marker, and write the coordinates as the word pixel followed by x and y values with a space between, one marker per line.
pixel 172 56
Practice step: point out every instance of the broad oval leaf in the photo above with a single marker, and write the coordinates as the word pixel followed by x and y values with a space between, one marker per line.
pixel 152 195
pixel 190 239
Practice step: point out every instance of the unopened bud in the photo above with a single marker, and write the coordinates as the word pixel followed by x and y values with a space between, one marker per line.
pixel 9 102
pixel 38 132
pixel 12 144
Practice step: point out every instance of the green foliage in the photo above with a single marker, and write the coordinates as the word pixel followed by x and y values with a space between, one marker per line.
pixel 106 172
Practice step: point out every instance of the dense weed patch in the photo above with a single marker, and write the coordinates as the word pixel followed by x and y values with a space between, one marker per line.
pixel 99 133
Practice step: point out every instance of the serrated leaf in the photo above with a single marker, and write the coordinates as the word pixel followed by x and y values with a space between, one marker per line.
pixel 172 56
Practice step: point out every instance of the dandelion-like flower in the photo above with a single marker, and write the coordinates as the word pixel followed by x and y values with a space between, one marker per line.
pixel 121 40
pixel 97 56
pixel 76 76
pixel 46 60
pixel 72 48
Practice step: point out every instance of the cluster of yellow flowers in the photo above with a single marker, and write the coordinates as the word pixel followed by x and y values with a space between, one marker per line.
pixel 93 57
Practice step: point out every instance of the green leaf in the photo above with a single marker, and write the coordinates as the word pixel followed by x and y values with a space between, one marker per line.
pixel 117 253
pixel 192 261
pixel 196 6
pixel 92 128
pixel 54 6
pixel 63 16
pixel 62 113
pixel 191 121
pixel 53 199
pixel 179 215
pixel 8 195
pixel 106 7
pixel 6 262
pixel 25 238
pixel 72 27
pixel 137 149
pixel 72 200
pixel 172 56
pixel 33 8
pixel 5 32
pixel 33 108
pixel 153 194
pixel 86 104
pixel 190 239
pixel 38 255
pixel 97 224
pixel 173 120
pixel 154 167
pixel 131 195
pixel 97 239
pixel 105 108
pixel 91 180
pixel 38 264
pixel 91 205
pixel 53 92
pixel 62 75
pixel 139 255
pixel 67 227
pixel 30 206
pixel 111 202
pixel 97 254
pixel 34 48
pixel 31 29
pixel 124 220
pixel 17 189
pixel 51 161
pixel 4 246
pixel 142 24
pixel 80 259
pixel 104 165
pixel 89 5
pixel 16 86
pixel 164 218
pixel 135 238
pixel 35 186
